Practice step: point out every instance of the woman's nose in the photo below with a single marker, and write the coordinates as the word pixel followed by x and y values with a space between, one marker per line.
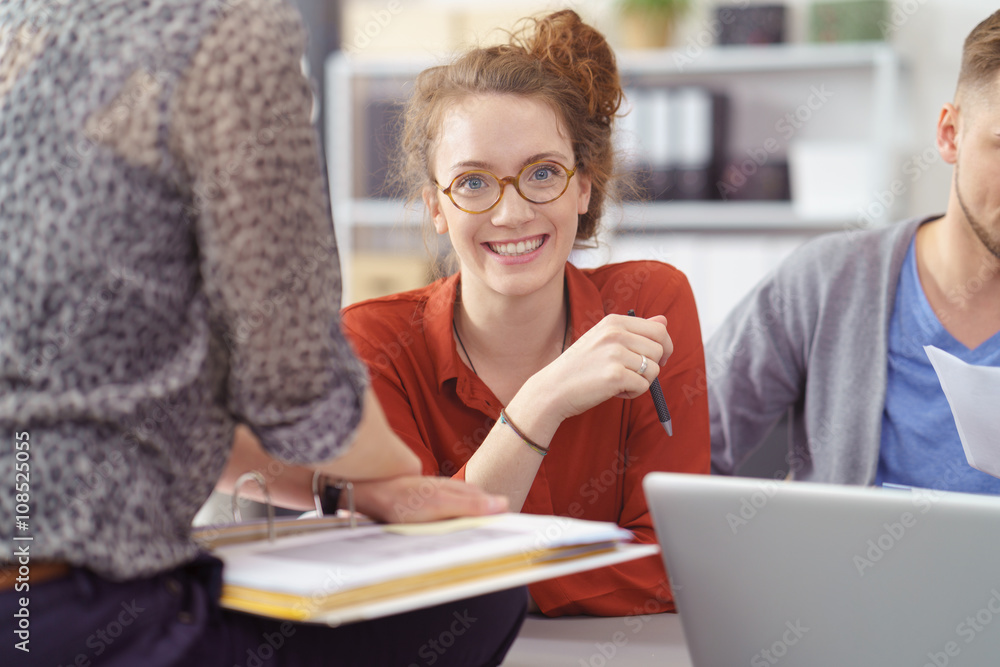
pixel 512 209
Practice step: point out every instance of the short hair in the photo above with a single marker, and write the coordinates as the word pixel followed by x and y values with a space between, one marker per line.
pixel 558 60
pixel 980 56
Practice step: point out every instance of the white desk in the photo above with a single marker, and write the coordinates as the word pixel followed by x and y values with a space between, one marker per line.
pixel 620 641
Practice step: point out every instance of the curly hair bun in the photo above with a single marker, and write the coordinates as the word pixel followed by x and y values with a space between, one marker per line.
pixel 579 53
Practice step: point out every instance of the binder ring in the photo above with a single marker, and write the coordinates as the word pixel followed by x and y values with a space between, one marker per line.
pixel 254 476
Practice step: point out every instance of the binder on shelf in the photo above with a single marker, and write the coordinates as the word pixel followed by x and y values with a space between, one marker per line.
pixel 324 571
pixel 646 133
pixel 382 119
pixel 700 125
pixel 677 136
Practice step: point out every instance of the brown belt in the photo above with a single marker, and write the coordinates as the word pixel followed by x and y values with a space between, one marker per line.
pixel 37 573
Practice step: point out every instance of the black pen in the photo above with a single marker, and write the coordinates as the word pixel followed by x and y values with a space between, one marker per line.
pixel 661 403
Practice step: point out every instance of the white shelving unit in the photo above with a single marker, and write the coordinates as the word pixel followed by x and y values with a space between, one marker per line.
pixel 833 93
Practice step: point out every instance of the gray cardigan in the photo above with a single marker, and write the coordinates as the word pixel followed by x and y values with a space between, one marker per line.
pixel 812 339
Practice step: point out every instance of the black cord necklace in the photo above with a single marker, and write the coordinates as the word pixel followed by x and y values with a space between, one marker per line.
pixel 454 328
pixel 462 345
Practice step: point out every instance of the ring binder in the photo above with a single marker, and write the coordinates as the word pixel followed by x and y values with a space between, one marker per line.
pixel 350 503
pixel 255 476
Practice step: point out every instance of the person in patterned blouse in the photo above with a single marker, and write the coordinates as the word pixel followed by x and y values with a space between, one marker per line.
pixel 168 272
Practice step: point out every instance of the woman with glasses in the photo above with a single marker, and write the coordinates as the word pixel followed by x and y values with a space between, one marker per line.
pixel 520 373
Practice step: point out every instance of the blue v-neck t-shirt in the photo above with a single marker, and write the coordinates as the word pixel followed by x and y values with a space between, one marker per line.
pixel 920 445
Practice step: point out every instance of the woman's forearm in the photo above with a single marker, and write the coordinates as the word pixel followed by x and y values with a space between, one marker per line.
pixel 289 485
pixel 504 464
pixel 376 453
pixel 402 498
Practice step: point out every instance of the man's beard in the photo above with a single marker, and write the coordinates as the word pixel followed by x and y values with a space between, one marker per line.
pixel 992 244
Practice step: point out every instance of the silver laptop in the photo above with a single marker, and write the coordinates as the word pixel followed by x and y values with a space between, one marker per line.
pixel 791 573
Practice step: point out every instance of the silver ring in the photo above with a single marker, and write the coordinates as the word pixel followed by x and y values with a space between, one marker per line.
pixel 642 366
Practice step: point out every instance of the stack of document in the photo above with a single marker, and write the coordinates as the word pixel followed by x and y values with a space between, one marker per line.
pixel 335 574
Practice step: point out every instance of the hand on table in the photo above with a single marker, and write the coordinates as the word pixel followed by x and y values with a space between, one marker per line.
pixel 416 498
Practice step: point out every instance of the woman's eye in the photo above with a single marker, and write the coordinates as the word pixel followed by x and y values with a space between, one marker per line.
pixel 472 183
pixel 544 173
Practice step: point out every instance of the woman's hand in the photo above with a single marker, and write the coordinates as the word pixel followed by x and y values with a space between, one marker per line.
pixel 415 498
pixel 603 363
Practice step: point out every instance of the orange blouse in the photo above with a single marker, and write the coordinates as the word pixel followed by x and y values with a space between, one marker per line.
pixel 597 460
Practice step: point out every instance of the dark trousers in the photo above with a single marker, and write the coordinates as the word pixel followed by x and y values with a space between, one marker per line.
pixel 175 619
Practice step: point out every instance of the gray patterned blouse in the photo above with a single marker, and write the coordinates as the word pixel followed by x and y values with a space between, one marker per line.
pixel 167 269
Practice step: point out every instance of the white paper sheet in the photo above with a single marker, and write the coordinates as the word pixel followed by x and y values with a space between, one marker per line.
pixel 973 392
pixel 339 560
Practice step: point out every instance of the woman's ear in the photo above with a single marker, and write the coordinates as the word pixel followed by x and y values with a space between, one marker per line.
pixel 433 204
pixel 584 183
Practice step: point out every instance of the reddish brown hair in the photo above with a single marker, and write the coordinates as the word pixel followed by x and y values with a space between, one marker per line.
pixel 557 59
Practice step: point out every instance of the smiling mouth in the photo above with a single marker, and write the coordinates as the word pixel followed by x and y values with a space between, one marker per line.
pixel 519 248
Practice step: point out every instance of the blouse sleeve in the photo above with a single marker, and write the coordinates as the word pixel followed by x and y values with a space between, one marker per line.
pixel 241 128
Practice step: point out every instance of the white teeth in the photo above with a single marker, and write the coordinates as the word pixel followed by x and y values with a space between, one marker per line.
pixel 519 248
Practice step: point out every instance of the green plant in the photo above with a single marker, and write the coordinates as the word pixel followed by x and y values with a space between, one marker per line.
pixel 665 7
